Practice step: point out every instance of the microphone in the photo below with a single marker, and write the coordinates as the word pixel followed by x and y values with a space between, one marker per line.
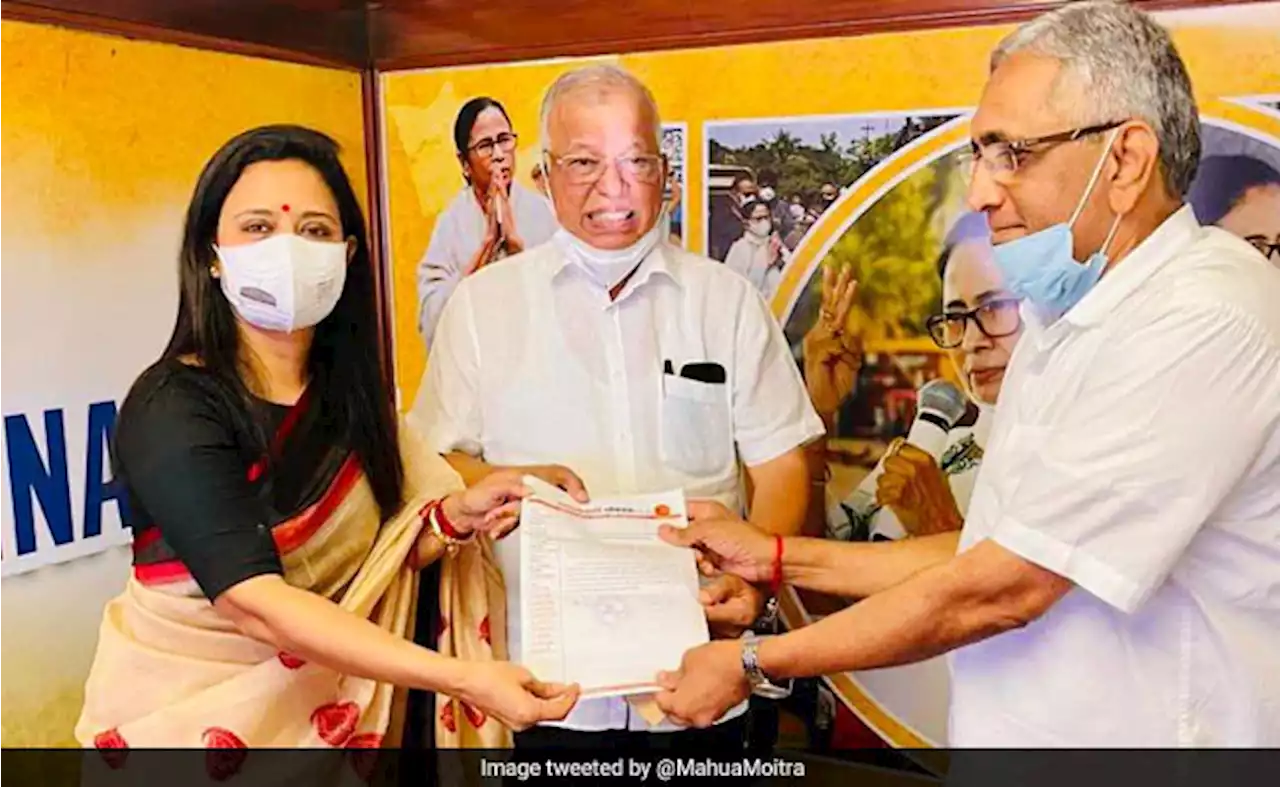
pixel 939 405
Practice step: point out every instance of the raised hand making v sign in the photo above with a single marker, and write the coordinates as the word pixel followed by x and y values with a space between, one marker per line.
pixel 832 352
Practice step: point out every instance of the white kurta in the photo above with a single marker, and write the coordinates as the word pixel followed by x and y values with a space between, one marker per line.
pixel 533 364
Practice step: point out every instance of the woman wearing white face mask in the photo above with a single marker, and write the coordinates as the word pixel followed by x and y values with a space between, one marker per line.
pixel 759 254
pixel 280 514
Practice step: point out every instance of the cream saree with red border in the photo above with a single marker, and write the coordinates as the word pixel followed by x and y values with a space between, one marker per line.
pixel 170 672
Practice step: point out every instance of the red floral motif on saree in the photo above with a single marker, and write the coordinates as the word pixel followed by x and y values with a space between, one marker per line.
pixel 363 754
pixel 226 753
pixel 475 716
pixel 336 721
pixel 113 748
pixel 290 661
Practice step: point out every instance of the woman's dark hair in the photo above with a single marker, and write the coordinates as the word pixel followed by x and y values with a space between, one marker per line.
pixel 1222 180
pixel 348 397
pixel 750 205
pixel 970 226
pixel 466 120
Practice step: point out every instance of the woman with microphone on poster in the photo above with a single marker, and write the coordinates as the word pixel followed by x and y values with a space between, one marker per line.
pixel 922 483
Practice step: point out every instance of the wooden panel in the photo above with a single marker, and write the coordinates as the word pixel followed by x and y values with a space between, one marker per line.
pixel 372 107
pixel 321 32
pixel 460 32
pixel 411 33
pixel 394 34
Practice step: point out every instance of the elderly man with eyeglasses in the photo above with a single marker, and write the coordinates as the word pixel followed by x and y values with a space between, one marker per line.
pixel 635 364
pixel 1117 579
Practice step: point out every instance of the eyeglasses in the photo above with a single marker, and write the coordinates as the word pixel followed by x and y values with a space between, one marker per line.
pixel 1268 250
pixel 1002 159
pixel 485 147
pixel 583 170
pixel 997 318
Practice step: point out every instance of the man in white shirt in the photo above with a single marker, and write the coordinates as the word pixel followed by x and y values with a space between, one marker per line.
pixel 491 218
pixel 634 363
pixel 1117 580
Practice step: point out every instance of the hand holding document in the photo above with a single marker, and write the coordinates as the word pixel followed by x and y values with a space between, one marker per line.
pixel 605 603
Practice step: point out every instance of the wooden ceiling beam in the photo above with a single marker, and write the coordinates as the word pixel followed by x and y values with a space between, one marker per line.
pixel 399 34
pixel 403 35
pixel 332 33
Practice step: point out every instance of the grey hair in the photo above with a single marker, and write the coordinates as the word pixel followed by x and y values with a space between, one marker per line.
pixel 1126 67
pixel 597 78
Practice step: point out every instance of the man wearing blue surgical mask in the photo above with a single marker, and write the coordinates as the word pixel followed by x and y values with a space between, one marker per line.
pixel 638 365
pixel 1056 201
pixel 1116 580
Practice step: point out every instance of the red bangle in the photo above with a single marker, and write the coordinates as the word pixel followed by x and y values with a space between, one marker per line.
pixel 446 526
pixel 777 565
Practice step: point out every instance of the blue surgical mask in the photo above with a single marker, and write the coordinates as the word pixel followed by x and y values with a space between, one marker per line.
pixel 1042 268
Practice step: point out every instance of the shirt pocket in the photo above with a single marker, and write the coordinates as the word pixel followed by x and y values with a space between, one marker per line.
pixel 697 433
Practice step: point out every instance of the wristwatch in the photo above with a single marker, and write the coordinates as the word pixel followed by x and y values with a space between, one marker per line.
pixel 760 684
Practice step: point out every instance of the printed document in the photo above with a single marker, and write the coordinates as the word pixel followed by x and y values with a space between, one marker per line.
pixel 605 603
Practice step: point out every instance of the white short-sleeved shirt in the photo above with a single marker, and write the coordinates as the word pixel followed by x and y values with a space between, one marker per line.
pixel 1136 452
pixel 458 235
pixel 533 364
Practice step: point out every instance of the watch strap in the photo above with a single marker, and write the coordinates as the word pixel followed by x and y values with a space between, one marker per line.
pixel 756 679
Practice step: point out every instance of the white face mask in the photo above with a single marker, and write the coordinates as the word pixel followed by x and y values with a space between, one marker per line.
pixel 762 228
pixel 285 282
pixel 607 267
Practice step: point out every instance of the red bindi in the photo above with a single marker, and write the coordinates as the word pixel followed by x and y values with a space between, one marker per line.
pixel 284 208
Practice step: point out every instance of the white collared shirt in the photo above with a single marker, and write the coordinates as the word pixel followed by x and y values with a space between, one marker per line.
pixel 533 364
pixel 1136 452
pixel 458 235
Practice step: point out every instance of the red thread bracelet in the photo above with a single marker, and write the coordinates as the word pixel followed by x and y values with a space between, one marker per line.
pixel 777 565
